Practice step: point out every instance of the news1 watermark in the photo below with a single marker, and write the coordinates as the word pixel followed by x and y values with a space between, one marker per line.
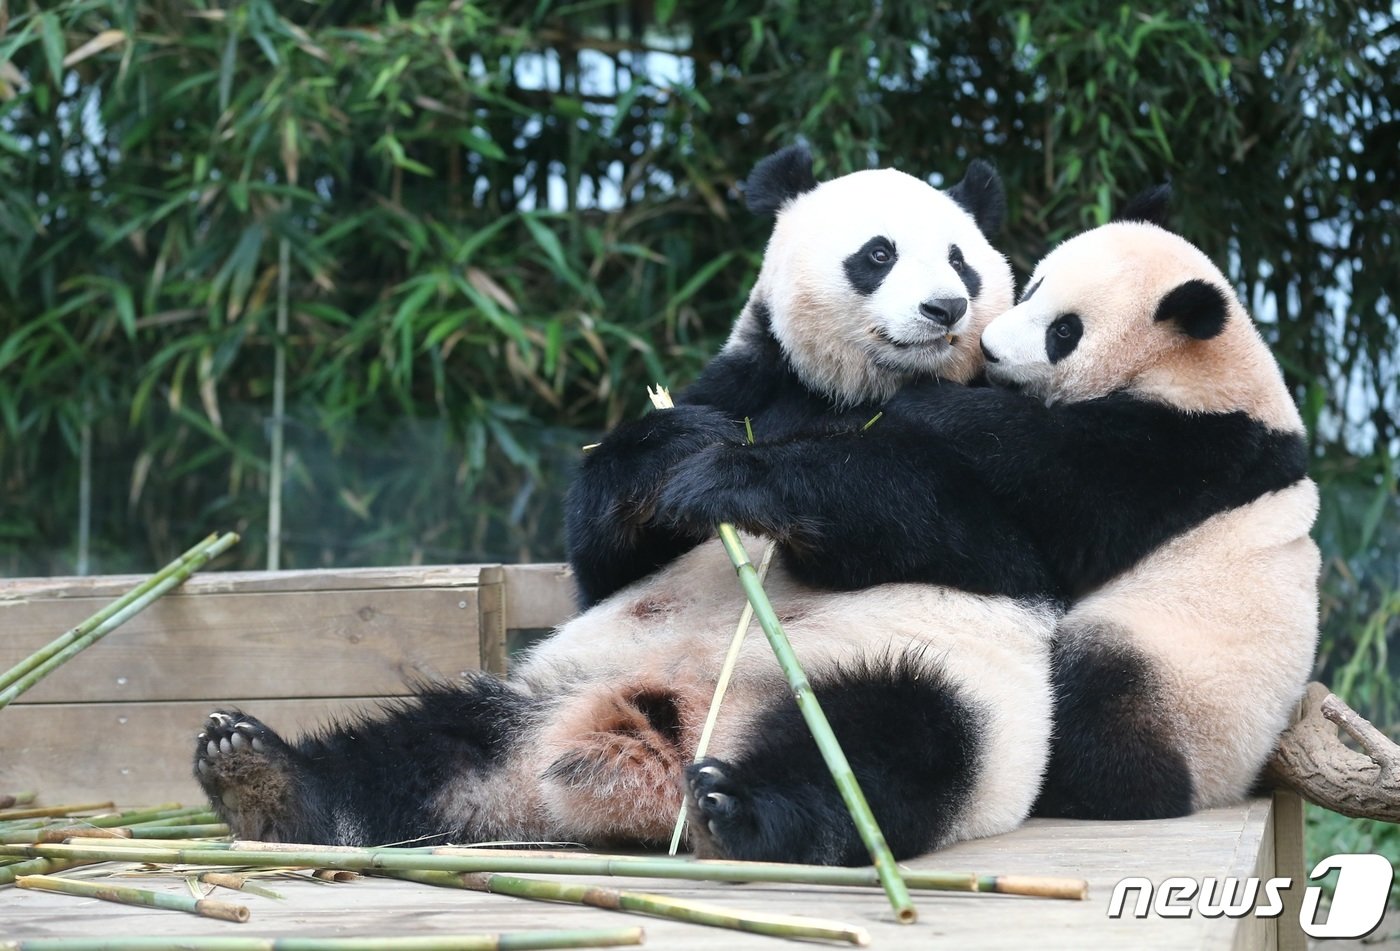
pixel 1358 899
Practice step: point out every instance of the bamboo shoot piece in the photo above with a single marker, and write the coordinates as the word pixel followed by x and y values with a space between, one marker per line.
pixel 124 895
pixel 820 727
pixel 660 906
pixel 280 855
pixel 504 941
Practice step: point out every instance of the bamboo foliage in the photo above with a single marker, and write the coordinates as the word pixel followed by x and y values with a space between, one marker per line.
pixel 495 218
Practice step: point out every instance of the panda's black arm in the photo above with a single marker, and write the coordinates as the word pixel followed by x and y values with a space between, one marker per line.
pixel 857 508
pixel 610 535
pixel 1102 483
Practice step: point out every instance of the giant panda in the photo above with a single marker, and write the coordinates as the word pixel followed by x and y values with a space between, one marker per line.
pixel 1144 438
pixel 939 693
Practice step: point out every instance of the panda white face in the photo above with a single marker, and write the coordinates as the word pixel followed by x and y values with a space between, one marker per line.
pixel 1107 308
pixel 877 278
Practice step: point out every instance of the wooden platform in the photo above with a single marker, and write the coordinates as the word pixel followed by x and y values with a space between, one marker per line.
pixel 1223 842
pixel 117 722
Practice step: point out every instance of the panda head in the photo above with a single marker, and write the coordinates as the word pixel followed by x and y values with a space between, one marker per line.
pixel 1132 307
pixel 875 278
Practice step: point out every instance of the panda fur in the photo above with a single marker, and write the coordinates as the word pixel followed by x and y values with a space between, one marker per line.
pixel 1144 439
pixel 940 696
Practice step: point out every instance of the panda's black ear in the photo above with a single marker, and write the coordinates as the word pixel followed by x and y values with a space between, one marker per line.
pixel 982 196
pixel 778 179
pixel 1149 206
pixel 1199 308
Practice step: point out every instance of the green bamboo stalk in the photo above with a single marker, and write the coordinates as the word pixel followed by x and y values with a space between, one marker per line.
pixel 116 620
pixel 278 855
pixel 60 833
pixel 125 895
pixel 196 815
pixel 43 811
pixel 726 671
pixel 502 941
pixel 820 728
pixel 16 799
pixel 82 630
pixel 41 831
pixel 40 867
pixel 659 906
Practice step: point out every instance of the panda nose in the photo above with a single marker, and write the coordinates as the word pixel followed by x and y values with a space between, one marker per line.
pixel 991 357
pixel 944 311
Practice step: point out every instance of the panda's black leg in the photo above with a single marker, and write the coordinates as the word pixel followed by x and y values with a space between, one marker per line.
pixel 1115 755
pixel 910 740
pixel 418 771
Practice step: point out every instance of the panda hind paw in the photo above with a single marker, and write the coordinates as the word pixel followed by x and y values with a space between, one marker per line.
pixel 249 773
pixel 720 805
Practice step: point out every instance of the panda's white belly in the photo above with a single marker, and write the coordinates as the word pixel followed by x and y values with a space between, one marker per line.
pixel 676 626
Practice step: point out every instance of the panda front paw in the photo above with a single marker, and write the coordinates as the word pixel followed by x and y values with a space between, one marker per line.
pixel 733 484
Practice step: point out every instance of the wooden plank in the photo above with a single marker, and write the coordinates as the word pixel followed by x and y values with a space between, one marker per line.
pixel 1254 856
pixel 337 579
pixel 1290 862
pixel 134 753
pixel 538 595
pixel 329 643
pixel 491 620
pixel 1208 843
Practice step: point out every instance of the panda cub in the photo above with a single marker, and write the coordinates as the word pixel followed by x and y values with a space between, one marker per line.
pixel 939 693
pixel 1144 439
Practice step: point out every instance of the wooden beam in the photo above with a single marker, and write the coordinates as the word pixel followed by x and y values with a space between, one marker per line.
pixel 327 643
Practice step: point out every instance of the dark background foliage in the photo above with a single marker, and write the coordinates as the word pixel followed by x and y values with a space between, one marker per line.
pixel 459 238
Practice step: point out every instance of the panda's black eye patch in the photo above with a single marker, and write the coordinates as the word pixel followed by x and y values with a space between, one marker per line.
pixel 866 268
pixel 970 278
pixel 1030 291
pixel 1062 336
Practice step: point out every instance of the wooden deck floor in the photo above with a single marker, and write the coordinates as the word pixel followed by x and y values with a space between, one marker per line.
pixel 1221 842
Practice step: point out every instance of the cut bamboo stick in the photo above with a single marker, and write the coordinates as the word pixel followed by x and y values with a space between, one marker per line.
pixel 165 833
pixel 9 873
pixel 817 724
pixel 9 800
pixel 726 671
pixel 86 627
pixel 43 811
pixel 660 906
pixel 168 578
pixel 278 855
pixel 820 728
pixel 125 895
pixel 503 941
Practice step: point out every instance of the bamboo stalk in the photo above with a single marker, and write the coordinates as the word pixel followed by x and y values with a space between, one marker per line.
pixel 820 728
pixel 35 673
pixel 726 671
pixel 125 895
pixel 168 833
pixel 86 627
pixel 817 724
pixel 502 941
pixel 48 832
pixel 659 906
pixel 277 855
pixel 16 799
pixel 40 867
pixel 41 811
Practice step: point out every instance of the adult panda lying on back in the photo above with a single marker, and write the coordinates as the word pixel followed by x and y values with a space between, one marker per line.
pixel 1152 452
pixel 940 696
